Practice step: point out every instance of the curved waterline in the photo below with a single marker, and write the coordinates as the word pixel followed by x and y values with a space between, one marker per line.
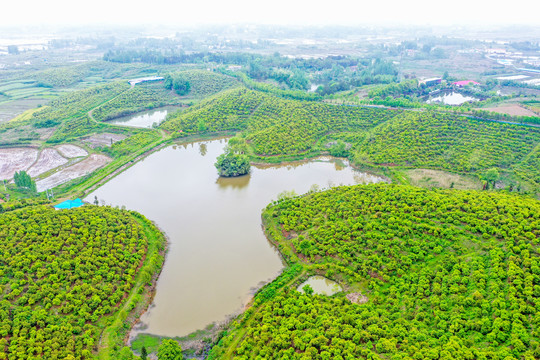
pixel 218 254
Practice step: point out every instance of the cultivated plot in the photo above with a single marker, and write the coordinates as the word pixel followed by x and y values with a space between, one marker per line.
pixel 16 159
pixel 105 139
pixel 84 167
pixel 71 151
pixel 48 159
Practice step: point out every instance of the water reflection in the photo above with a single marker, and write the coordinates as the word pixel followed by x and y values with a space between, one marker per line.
pixel 203 149
pixel 451 98
pixel 145 119
pixel 238 182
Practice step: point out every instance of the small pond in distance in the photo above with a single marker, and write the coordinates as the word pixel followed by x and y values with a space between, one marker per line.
pixel 145 119
pixel 451 98
pixel 218 255
pixel 321 285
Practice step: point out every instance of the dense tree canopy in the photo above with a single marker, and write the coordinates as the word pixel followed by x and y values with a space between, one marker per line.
pixel 447 275
pixel 62 275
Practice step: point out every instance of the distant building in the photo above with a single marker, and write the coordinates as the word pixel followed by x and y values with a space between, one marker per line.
pixel 465 83
pixel 431 81
pixel 145 79
pixel 234 67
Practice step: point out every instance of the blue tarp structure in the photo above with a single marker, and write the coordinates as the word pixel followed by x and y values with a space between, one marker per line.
pixel 69 204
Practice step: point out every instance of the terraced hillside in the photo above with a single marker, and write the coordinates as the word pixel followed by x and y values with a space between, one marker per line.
pixel 376 136
pixel 274 125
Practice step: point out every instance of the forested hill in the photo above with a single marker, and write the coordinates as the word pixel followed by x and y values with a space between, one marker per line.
pixel 377 136
pixel 275 125
pixel 66 276
pixel 446 274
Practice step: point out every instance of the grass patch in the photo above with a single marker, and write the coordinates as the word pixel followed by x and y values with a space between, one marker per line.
pixel 428 178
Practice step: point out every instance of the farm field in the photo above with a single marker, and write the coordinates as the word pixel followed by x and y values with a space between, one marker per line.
pixel 514 110
pixel 74 287
pixel 48 159
pixel 84 167
pixel 104 139
pixel 16 159
pixel 71 151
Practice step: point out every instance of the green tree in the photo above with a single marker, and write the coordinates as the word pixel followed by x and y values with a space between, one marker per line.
pixel 126 354
pixel 24 181
pixel 308 290
pixel 169 350
pixel 492 175
pixel 144 353
pixel 230 164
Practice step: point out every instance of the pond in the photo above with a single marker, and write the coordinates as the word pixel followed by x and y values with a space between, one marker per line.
pixel 451 98
pixel 321 285
pixel 144 119
pixel 218 255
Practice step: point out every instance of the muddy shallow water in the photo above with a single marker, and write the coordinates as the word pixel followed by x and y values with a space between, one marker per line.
pixel 218 254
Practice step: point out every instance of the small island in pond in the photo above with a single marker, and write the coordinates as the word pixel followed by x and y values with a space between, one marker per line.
pixel 231 164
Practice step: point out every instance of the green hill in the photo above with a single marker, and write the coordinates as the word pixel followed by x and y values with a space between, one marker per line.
pixel 446 275
pixel 275 126
pixel 65 276
pixel 452 142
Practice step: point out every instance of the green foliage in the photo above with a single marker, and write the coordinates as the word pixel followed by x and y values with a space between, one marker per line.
pixel 70 75
pixel 71 111
pixel 339 149
pixel 139 98
pixel 78 103
pixel 424 139
pixel 529 167
pixel 394 89
pixel 63 274
pixel 133 144
pixel 24 181
pixel 274 125
pixel 231 164
pixel 144 353
pixel 169 350
pixel 448 275
pixel 201 83
pixel 178 83
pixel 308 290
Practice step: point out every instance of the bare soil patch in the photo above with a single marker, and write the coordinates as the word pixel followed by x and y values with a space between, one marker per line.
pixel 357 298
pixel 16 159
pixel 105 139
pixel 441 179
pixel 84 167
pixel 48 159
pixel 514 110
pixel 71 151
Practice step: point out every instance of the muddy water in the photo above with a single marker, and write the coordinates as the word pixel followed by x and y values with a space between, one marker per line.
pixel 321 285
pixel 218 253
pixel 146 118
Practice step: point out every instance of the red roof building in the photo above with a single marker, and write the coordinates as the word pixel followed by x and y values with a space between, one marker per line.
pixel 465 83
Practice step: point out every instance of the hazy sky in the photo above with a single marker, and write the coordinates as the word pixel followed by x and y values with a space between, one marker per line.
pixel 357 12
